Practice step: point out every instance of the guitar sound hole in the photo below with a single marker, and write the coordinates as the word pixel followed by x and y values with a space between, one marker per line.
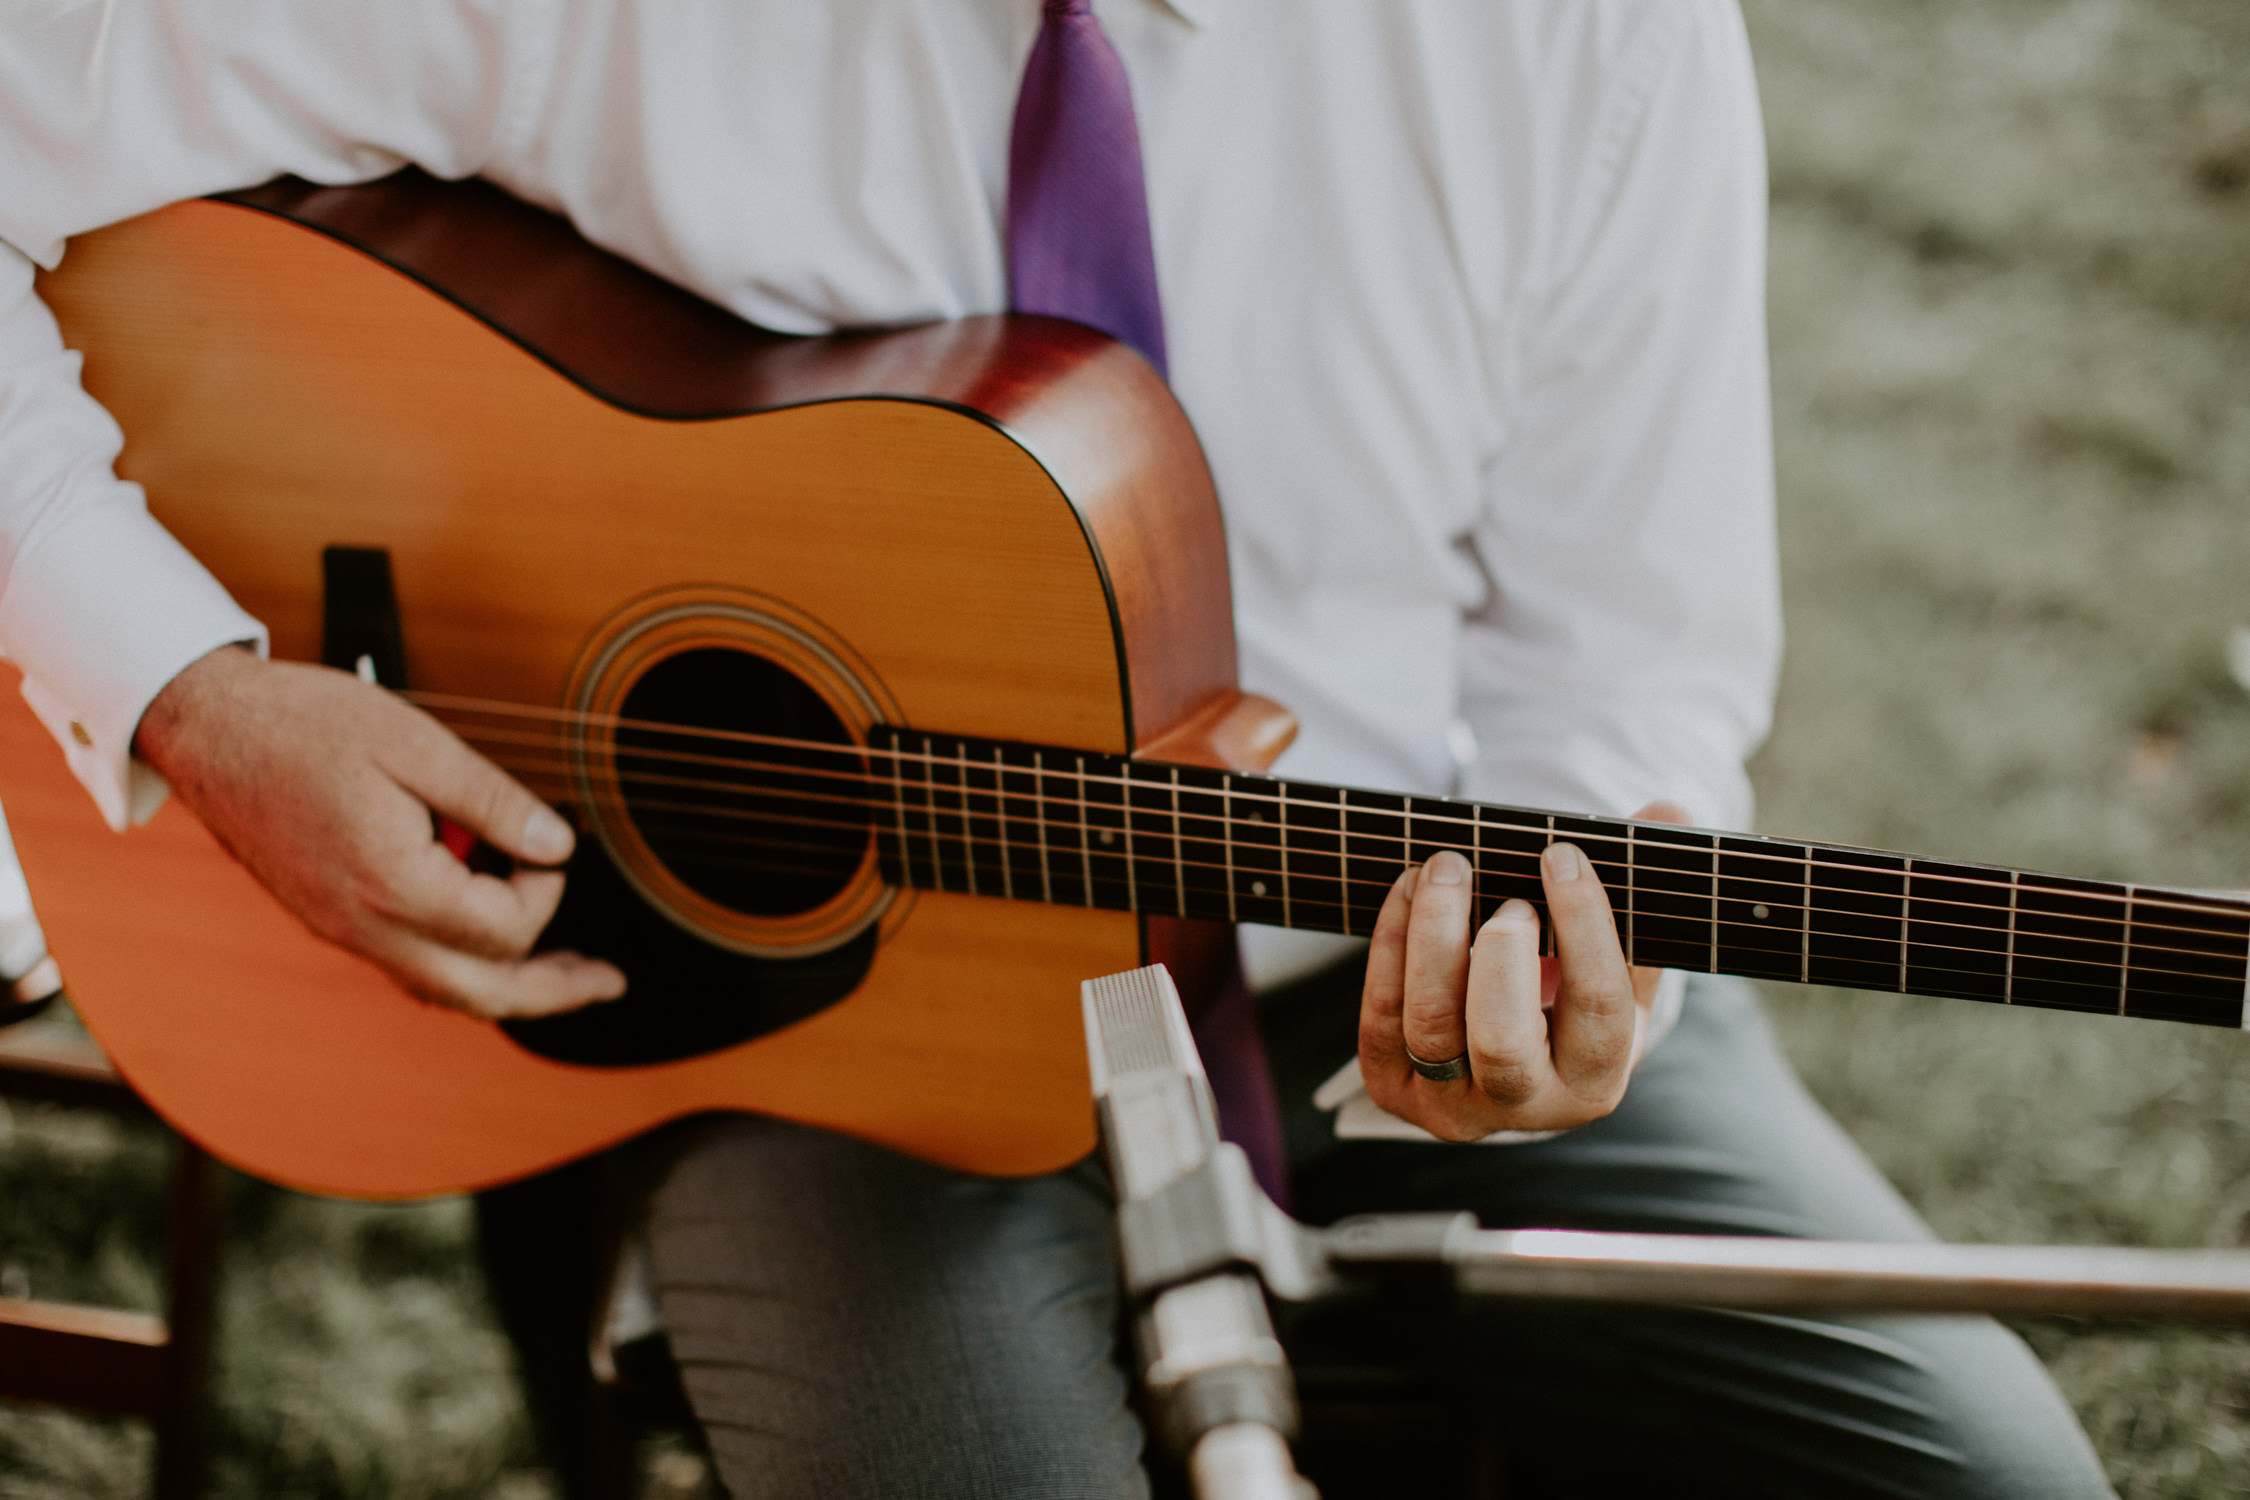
pixel 738 795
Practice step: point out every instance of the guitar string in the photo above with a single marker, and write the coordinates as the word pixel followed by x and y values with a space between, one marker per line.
pixel 1878 979
pixel 1655 834
pixel 1924 949
pixel 870 830
pixel 1785 891
pixel 2143 900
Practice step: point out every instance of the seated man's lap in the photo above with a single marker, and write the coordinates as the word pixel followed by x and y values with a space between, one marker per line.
pixel 852 1322
pixel 1715 1136
pixel 848 1321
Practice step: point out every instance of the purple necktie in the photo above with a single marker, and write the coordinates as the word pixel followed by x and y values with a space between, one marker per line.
pixel 1078 242
pixel 1078 248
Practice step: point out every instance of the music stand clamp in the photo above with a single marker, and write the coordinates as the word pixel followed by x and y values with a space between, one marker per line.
pixel 1200 1244
pixel 1192 1234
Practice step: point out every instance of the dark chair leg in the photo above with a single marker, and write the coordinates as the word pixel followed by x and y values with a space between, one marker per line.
pixel 547 1253
pixel 192 1268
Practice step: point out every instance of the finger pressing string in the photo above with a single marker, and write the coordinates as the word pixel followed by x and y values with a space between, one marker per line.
pixel 1436 960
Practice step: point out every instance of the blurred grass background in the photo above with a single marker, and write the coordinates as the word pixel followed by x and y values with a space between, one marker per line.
pixel 2011 315
pixel 2011 331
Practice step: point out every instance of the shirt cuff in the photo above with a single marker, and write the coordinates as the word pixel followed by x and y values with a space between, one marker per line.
pixel 101 612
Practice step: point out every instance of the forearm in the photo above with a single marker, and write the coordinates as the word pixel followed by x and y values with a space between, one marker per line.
pixel 99 606
pixel 109 111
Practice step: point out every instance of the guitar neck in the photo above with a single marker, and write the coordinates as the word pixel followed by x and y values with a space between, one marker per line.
pixel 1073 827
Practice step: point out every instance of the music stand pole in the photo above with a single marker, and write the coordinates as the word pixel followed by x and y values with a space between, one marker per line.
pixel 1200 1245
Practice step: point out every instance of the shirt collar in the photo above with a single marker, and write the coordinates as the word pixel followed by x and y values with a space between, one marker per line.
pixel 1196 13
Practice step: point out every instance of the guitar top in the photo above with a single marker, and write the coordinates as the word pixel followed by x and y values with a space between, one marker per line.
pixel 889 677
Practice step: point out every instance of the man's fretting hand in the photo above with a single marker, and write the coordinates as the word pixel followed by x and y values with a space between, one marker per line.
pixel 324 785
pixel 1434 988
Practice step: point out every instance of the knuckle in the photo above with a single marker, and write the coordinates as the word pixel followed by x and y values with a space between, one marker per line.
pixel 1504 1081
pixel 1384 1090
pixel 1590 1108
pixel 1456 1131
pixel 1606 993
pixel 1383 995
pixel 434 983
pixel 1510 924
pixel 493 798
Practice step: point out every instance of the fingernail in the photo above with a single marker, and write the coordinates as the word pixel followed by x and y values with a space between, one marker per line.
pixel 1515 913
pixel 546 837
pixel 1562 862
pixel 1448 868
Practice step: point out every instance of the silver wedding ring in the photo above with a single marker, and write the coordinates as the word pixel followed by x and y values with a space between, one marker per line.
pixel 1440 1072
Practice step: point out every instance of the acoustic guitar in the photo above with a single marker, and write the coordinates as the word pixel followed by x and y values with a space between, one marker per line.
pixel 889 678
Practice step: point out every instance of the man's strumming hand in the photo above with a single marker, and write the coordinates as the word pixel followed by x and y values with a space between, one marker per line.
pixel 323 786
pixel 1550 1042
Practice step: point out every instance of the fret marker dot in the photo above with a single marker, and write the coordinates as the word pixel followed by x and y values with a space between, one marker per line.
pixel 1107 835
pixel 1257 887
pixel 1760 913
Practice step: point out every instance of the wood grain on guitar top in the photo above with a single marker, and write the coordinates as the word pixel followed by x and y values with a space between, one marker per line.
pixel 1009 518
pixel 1093 413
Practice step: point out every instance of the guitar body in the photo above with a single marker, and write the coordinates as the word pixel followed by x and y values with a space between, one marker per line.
pixel 1001 527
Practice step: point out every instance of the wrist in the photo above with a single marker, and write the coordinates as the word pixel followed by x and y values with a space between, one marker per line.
pixel 171 715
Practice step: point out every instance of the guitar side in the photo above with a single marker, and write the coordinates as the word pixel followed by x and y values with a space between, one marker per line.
pixel 1007 520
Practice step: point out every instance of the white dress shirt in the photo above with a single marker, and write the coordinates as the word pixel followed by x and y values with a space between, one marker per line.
pixel 1466 301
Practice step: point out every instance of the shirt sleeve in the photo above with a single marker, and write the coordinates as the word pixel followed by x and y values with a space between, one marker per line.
pixel 111 109
pixel 1629 645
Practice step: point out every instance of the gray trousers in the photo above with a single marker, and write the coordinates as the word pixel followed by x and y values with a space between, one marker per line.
pixel 853 1323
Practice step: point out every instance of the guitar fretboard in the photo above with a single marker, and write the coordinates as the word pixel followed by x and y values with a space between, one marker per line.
pixel 1029 822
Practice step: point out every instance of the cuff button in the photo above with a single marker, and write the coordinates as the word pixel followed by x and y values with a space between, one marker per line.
pixel 78 733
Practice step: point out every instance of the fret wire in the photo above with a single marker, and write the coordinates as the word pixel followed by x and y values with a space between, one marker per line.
pixel 1476 843
pixel 1179 847
pixel 1282 825
pixel 1000 811
pixel 1226 804
pixel 1714 906
pixel 1406 856
pixel 1132 865
pixel 929 815
pixel 1085 828
pixel 961 811
pixel 1547 947
pixel 1039 813
pixel 2008 985
pixel 1344 859
pixel 898 801
pixel 1632 892
pixel 2125 956
pixel 1804 930
pixel 1905 920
